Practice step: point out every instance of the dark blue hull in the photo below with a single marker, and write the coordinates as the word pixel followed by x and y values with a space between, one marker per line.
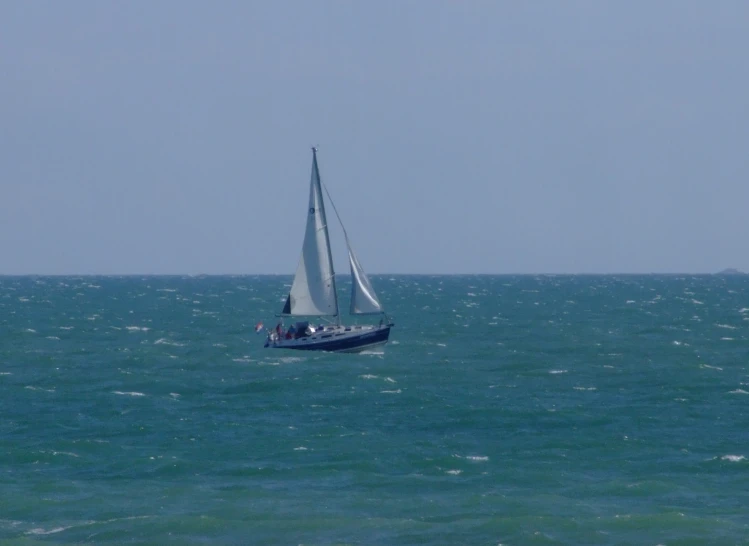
pixel 352 344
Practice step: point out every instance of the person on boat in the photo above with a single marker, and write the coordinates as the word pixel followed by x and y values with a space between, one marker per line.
pixel 279 330
pixel 290 332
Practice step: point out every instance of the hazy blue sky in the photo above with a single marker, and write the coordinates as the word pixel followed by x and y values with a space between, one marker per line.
pixel 490 137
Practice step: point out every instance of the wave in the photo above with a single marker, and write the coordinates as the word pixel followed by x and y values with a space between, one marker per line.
pixel 165 341
pixel 733 458
pixel 32 388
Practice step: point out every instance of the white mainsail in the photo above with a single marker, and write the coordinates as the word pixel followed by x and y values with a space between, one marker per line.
pixel 313 291
pixel 363 298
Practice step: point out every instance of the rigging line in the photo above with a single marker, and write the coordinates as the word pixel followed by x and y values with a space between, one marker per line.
pixel 336 211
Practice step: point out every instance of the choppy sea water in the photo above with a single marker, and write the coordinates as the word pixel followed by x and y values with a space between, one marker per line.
pixel 505 410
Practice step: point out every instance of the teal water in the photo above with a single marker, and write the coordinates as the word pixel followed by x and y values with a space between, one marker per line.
pixel 514 410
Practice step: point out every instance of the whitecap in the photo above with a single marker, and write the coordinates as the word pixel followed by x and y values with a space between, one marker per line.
pixel 454 472
pixel 130 393
pixel 32 388
pixel 733 458
pixel 53 337
pixel 711 367
pixel 726 339
pixel 290 359
pixel 165 341
pixel 391 392
pixel 390 380
pixel 301 448
pixel 738 391
pixel 30 330
pixel 174 394
pixel 368 376
pixel 557 371
pixel 40 531
pixel 728 326
pixel 137 328
pixel 477 458
pixel 584 388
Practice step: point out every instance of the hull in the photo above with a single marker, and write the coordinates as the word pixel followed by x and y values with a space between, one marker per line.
pixel 339 339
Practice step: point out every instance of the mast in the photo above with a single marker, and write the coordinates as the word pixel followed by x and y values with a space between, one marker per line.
pixel 327 235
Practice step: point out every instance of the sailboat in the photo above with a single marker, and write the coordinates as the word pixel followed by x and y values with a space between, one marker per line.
pixel 313 292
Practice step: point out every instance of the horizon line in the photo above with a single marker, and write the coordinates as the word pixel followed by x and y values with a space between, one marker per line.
pixel 725 272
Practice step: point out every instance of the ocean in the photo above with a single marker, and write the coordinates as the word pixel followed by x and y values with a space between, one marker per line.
pixel 513 410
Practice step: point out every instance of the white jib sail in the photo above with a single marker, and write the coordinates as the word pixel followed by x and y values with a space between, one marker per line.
pixel 363 298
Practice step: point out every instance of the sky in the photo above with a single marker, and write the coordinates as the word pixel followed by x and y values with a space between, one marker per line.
pixel 173 137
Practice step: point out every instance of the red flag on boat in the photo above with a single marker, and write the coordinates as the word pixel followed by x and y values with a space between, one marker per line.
pixel 258 327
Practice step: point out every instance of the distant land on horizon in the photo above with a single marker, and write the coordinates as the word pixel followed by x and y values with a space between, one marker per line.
pixel 731 271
